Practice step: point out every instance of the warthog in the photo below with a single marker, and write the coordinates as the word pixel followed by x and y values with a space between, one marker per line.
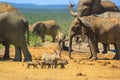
pixel 62 63
pixel 54 56
pixel 34 64
pixel 49 63
pixel 49 60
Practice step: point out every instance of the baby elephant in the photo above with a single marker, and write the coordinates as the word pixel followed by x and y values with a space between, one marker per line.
pixel 49 63
pixel 34 64
pixel 62 63
pixel 61 37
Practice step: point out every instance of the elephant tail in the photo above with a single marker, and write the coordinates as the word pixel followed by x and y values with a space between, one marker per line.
pixel 25 22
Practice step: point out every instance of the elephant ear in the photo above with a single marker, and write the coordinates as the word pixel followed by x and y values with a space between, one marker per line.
pixel 85 22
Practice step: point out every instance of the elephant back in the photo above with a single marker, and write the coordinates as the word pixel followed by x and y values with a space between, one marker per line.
pixel 109 14
pixel 4 7
pixel 12 16
pixel 51 24
pixel 109 6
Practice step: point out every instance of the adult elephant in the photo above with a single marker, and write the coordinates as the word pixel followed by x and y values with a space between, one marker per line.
pixel 105 30
pixel 76 28
pixel 42 28
pixel 12 31
pixel 88 7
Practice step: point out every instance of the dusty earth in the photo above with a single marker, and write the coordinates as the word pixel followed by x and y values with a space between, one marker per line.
pixel 80 68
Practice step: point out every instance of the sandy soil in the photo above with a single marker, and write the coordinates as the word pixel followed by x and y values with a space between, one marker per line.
pixel 80 68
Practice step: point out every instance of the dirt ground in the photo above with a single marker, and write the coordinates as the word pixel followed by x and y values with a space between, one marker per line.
pixel 80 68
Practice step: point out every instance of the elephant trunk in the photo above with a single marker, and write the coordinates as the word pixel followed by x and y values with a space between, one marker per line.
pixel 70 44
pixel 75 14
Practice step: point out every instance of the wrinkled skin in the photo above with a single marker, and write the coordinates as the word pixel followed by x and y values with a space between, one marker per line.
pixel 42 28
pixel 105 30
pixel 77 28
pixel 88 7
pixel 18 55
pixel 109 14
pixel 106 15
pixel 12 31
pixel 6 8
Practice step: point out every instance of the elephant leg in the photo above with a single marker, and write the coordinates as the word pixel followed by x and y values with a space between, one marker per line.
pixel 43 37
pixel 20 43
pixel 91 55
pixel 18 55
pixel 26 53
pixel 108 47
pixel 70 46
pixel 117 47
pixel 97 48
pixel 60 47
pixel 104 48
pixel 6 54
pixel 93 49
pixel 64 47
pixel 53 38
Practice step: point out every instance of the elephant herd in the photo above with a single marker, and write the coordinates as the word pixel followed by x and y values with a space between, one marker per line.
pixel 98 20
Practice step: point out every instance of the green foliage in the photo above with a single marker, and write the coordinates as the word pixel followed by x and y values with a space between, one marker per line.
pixel 61 16
pixel 35 40
pixel 1 46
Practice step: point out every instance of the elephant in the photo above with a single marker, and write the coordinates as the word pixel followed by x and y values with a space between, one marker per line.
pixel 75 29
pixel 109 14
pixel 106 15
pixel 88 7
pixel 49 27
pixel 61 39
pixel 99 29
pixel 13 26
pixel 4 8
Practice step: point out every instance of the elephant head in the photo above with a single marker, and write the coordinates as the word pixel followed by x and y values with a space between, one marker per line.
pixel 88 7
pixel 75 28
pixel 39 29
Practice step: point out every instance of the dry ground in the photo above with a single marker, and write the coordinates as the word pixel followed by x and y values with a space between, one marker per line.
pixel 81 68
